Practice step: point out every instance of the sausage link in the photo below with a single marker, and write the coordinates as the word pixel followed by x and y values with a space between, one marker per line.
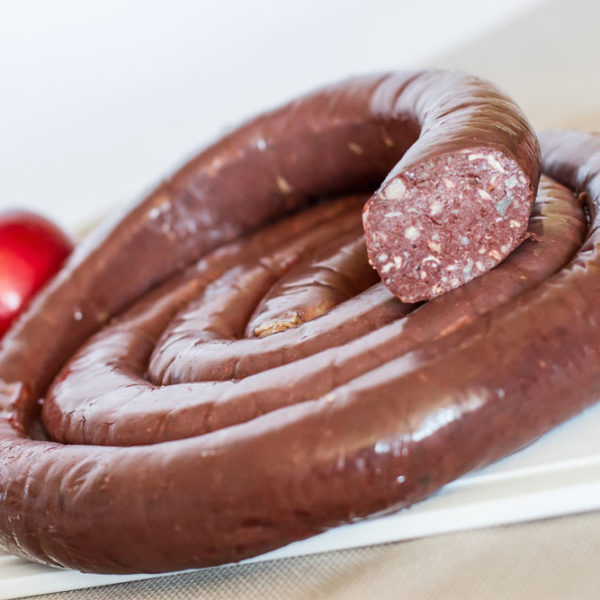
pixel 141 413
pixel 368 407
pixel 271 165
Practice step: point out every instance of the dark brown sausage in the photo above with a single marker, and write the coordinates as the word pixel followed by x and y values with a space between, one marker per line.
pixel 99 479
pixel 112 364
pixel 314 464
pixel 343 137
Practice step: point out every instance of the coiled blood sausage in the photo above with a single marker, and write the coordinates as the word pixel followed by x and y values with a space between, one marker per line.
pixel 221 372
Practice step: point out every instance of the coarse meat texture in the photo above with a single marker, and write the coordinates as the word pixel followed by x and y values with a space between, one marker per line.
pixel 432 228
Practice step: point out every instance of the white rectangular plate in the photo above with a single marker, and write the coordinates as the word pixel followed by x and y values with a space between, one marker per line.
pixel 559 474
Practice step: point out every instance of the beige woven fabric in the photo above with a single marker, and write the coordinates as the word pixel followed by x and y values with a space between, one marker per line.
pixel 556 558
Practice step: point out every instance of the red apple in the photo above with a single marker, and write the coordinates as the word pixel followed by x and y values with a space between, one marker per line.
pixel 32 250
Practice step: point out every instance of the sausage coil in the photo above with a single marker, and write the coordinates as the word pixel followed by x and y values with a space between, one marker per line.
pixel 221 377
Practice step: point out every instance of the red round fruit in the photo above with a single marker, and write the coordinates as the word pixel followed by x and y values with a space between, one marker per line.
pixel 32 250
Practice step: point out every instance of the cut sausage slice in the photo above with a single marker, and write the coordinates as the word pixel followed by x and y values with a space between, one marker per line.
pixel 433 227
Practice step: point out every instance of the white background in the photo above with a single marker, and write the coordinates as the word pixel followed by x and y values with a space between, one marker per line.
pixel 100 99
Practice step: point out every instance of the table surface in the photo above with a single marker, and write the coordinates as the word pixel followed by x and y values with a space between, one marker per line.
pixel 542 60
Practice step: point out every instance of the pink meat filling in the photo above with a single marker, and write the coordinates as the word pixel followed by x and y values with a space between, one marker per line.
pixel 434 227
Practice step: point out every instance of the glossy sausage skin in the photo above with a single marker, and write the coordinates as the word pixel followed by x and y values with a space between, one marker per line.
pixel 334 273
pixel 269 166
pixel 104 382
pixel 361 447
